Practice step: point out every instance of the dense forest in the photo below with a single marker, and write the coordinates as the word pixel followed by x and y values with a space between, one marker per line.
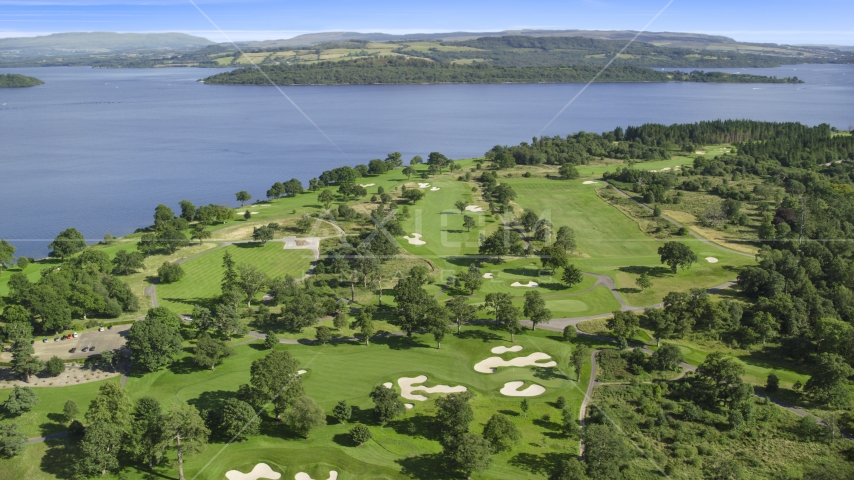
pixel 395 70
pixel 13 80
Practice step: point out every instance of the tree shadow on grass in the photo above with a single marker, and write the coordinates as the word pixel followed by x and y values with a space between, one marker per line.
pixel 344 440
pixel 658 272
pixel 550 373
pixel 249 245
pixel 537 464
pixel 479 335
pixel 510 413
pixel 185 365
pixel 417 426
pixel 400 342
pixel 60 460
pixel 432 466
pixel 211 400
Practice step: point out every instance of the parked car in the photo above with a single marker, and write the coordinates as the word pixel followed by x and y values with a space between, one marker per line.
pixel 44 341
pixel 74 335
pixel 74 349
pixel 56 339
pixel 85 349
pixel 92 348
pixel 101 329
pixel 68 336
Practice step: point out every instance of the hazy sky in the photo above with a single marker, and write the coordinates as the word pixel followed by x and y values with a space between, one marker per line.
pixel 778 21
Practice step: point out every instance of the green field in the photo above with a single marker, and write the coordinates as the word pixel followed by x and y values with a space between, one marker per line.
pixel 204 273
pixel 349 372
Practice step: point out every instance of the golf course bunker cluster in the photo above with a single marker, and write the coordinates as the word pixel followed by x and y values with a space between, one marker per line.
pixel 261 470
pixel 411 384
pixel 511 389
pixel 333 475
pixel 491 364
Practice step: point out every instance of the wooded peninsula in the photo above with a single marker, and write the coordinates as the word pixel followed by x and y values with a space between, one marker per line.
pixel 13 80
pixel 395 70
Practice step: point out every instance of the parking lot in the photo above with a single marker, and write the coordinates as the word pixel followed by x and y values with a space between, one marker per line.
pixel 111 339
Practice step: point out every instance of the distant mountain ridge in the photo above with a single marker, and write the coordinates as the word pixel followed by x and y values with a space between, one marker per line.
pixel 99 42
pixel 690 40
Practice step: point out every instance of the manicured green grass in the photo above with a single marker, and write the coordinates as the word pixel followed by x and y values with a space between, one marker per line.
pixel 349 372
pixel 46 416
pixel 612 244
pixel 204 273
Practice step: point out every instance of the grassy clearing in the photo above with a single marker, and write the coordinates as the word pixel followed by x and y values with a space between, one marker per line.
pixel 204 273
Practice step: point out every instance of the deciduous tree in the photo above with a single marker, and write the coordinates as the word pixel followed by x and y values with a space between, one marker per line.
pixel 304 416
pixel 501 433
pixel 210 352
pixel 535 309
pixel 387 405
pixel 153 343
pixel 239 420
pixel 67 243
pixel 185 431
pixel 676 254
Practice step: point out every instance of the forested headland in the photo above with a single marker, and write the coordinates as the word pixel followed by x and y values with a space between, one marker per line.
pixel 396 70
pixel 14 80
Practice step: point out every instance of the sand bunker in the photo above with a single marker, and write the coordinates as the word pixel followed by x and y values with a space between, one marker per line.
pixel 589 182
pixel 711 259
pixel 654 171
pixel 302 372
pixel 665 169
pixel 700 152
pixel 500 350
pixel 388 384
pixel 409 406
pixel 262 470
pixel 487 275
pixel 491 364
pixel 475 209
pixel 434 189
pixel 511 389
pixel 529 285
pixel 423 185
pixel 244 211
pixel 366 185
pixel 333 475
pixel 411 384
pixel 415 239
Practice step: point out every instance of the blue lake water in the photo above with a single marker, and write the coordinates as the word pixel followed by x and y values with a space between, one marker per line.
pixel 98 149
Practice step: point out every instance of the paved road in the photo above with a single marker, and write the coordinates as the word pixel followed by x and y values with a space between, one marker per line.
pixel 50 436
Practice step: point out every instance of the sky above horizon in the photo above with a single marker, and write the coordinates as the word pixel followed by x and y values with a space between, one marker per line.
pixel 778 21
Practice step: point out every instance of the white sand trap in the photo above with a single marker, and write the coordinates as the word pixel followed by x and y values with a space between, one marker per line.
pixel 588 182
pixel 411 384
pixel 409 406
pixel 262 470
pixel 492 363
pixel 333 475
pixel 529 285
pixel 434 189
pixel 244 211
pixel 701 152
pixel 487 275
pixel 388 384
pixel 502 349
pixel 415 239
pixel 654 171
pixel 838 161
pixel 366 185
pixel 511 389
pixel 302 372
pixel 423 185
pixel 475 209
pixel 665 169
pixel 711 259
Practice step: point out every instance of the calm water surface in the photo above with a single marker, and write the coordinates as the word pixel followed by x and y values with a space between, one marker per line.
pixel 98 149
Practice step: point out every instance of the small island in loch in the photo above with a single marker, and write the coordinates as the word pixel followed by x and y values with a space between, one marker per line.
pixel 14 80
